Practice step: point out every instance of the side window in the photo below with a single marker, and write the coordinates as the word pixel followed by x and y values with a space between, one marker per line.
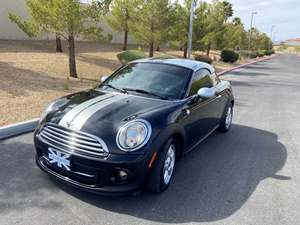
pixel 202 78
pixel 215 78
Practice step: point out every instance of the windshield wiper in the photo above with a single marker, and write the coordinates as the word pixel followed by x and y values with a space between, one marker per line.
pixel 147 93
pixel 118 89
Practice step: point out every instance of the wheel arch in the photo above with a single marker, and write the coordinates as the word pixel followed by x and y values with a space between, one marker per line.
pixel 176 132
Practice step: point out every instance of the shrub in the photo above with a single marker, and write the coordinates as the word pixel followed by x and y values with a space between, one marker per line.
pixel 253 54
pixel 269 52
pixel 203 58
pixel 244 54
pixel 130 55
pixel 261 54
pixel 229 56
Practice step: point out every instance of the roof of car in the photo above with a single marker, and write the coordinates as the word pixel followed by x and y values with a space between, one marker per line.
pixel 188 63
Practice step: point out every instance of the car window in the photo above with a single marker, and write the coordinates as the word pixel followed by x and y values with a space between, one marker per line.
pixel 164 80
pixel 202 78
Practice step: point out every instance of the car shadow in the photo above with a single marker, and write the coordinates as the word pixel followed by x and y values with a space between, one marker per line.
pixel 210 184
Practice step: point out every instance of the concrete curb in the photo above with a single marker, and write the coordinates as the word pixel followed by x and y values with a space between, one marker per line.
pixel 18 128
pixel 244 65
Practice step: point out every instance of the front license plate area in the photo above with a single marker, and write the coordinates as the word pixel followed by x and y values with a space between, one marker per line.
pixel 59 159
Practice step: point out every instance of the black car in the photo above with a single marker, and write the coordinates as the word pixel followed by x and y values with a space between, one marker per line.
pixel 128 132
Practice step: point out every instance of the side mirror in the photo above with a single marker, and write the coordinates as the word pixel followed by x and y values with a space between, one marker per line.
pixel 103 78
pixel 206 93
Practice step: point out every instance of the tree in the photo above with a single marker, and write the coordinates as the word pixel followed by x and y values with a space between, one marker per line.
pixel 179 27
pixel 120 15
pixel 259 41
pixel 201 25
pixel 58 44
pixel 217 15
pixel 65 18
pixel 150 20
pixel 234 35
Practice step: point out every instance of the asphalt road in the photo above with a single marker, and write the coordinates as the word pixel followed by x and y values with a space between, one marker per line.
pixel 250 175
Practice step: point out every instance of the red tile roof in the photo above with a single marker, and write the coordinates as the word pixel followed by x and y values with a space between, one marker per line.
pixel 294 39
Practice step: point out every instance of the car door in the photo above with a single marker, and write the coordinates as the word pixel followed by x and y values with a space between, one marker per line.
pixel 202 114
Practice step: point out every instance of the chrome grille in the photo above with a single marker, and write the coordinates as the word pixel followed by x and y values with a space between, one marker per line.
pixel 74 142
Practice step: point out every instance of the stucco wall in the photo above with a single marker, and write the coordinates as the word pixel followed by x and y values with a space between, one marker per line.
pixel 10 31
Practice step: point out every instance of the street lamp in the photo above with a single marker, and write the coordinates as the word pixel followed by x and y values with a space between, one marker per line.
pixel 271 36
pixel 190 38
pixel 274 37
pixel 251 25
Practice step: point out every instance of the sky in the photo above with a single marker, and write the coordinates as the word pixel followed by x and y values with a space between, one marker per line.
pixel 283 14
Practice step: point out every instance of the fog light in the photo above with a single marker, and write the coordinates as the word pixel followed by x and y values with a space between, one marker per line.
pixel 123 175
pixel 119 176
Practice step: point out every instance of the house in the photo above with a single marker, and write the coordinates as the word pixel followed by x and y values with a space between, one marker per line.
pixel 293 42
pixel 10 31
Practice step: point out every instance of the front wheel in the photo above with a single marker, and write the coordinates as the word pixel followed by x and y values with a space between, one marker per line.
pixel 162 172
pixel 226 121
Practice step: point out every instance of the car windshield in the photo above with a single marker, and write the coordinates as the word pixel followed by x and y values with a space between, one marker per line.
pixel 153 79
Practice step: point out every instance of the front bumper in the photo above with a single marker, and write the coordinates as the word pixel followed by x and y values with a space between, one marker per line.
pixel 98 175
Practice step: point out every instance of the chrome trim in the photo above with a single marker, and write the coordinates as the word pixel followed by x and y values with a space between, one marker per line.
pixel 68 143
pixel 73 134
pixel 73 141
pixel 72 138
pixel 148 135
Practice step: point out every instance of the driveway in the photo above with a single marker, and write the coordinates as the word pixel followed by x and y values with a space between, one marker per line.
pixel 250 175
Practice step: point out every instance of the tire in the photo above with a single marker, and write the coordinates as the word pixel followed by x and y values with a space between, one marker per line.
pixel 226 120
pixel 158 181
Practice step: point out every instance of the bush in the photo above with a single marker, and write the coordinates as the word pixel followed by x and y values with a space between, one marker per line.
pixel 261 54
pixel 229 56
pixel 253 55
pixel 203 58
pixel 267 52
pixel 130 55
pixel 244 54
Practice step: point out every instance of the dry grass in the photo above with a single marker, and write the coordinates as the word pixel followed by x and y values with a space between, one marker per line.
pixel 32 74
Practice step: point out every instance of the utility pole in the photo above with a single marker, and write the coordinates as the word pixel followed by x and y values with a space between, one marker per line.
pixel 251 25
pixel 274 37
pixel 190 39
pixel 271 37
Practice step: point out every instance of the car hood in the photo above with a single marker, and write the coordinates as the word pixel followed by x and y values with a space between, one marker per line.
pixel 98 112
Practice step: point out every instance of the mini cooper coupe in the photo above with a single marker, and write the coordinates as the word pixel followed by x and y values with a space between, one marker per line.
pixel 129 132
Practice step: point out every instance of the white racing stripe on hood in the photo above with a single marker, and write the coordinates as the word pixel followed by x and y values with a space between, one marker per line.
pixel 70 116
pixel 81 119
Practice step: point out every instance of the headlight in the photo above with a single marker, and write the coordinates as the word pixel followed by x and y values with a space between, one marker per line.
pixel 134 135
pixel 53 106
